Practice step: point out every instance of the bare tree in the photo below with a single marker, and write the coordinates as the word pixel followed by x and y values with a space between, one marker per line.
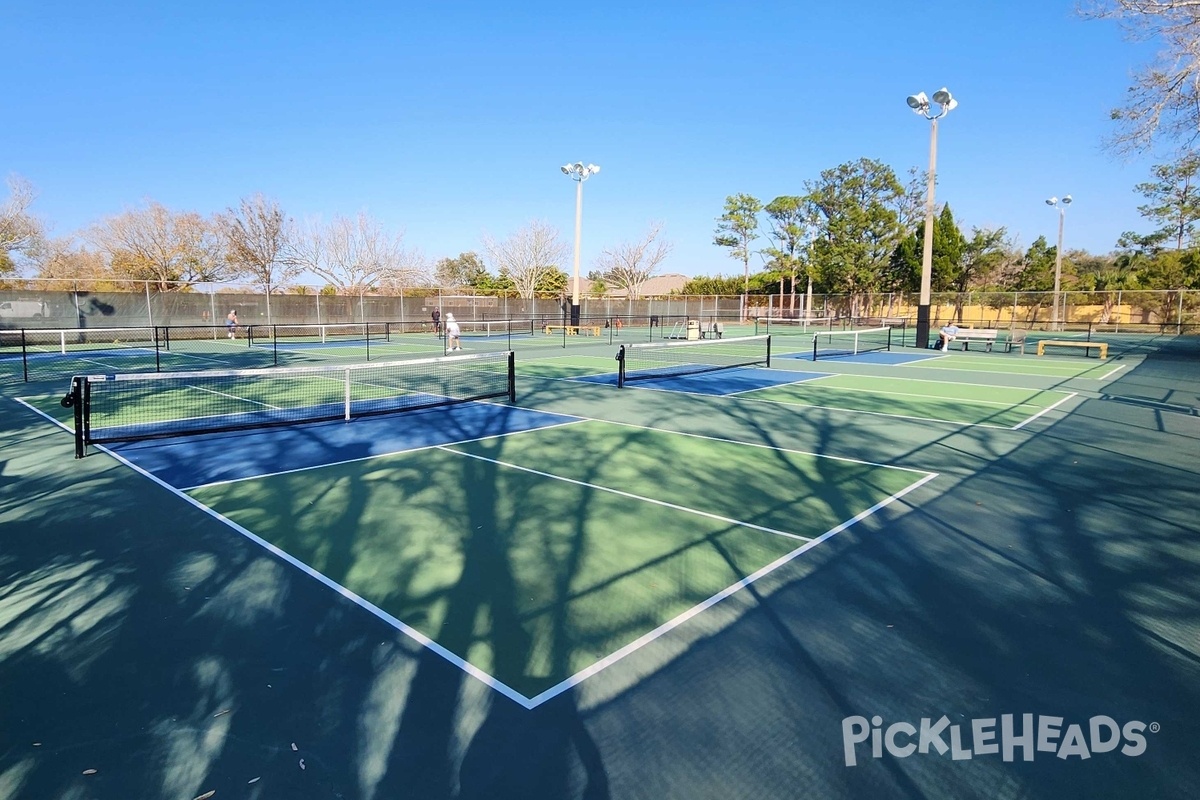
pixel 630 264
pixel 75 266
pixel 357 255
pixel 1164 100
pixel 258 240
pixel 167 248
pixel 20 231
pixel 528 256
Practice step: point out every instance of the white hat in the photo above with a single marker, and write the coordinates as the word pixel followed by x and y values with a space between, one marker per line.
pixel 450 317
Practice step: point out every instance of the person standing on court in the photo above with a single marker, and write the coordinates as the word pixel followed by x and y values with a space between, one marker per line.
pixel 437 321
pixel 231 323
pixel 453 333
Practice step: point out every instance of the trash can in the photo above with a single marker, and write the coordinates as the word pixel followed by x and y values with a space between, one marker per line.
pixel 693 329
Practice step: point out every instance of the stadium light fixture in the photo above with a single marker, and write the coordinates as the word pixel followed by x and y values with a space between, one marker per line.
pixel 1059 307
pixel 578 172
pixel 920 104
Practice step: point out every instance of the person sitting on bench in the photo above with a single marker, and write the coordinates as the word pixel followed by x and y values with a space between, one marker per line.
pixel 946 336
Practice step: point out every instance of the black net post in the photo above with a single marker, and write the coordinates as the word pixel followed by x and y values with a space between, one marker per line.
pixel 24 356
pixel 157 360
pixel 512 376
pixel 76 400
pixel 621 367
pixel 768 352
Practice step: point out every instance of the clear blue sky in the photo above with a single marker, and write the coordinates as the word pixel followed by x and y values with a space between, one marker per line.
pixel 450 119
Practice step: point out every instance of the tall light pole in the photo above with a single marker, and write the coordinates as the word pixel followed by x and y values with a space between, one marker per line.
pixel 1061 205
pixel 578 172
pixel 919 103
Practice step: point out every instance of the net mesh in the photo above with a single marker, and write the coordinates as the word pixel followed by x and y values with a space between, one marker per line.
pixel 671 359
pixel 834 344
pixel 317 334
pixel 496 327
pixel 792 327
pixel 113 408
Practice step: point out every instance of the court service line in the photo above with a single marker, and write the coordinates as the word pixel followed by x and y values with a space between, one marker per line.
pixel 944 398
pixel 1044 411
pixel 797 382
pixel 1111 372
pixel 747 398
pixel 382 455
pixel 631 495
pixel 695 610
pixel 230 396
pixel 773 447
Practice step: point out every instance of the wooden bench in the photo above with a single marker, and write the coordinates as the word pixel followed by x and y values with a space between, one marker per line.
pixel 968 335
pixel 1102 346
pixel 714 331
pixel 573 330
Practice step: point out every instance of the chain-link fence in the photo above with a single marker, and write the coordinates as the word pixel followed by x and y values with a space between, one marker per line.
pixel 59 304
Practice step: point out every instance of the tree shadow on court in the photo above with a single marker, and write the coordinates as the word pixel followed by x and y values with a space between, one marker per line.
pixel 1048 571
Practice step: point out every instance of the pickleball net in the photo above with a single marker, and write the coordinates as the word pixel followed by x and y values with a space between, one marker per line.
pixel 651 360
pixel 113 408
pixel 838 344
pixel 793 326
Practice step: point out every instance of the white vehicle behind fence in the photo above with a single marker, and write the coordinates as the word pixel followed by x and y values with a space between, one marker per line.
pixel 22 309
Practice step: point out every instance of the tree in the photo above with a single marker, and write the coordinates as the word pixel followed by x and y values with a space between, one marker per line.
pixel 527 255
pixel 985 253
pixel 75 266
pixel 1164 100
pixel 1174 200
pixel 791 225
pixel 858 206
pixel 172 250
pixel 259 241
pixel 21 233
pixel 630 264
pixel 466 270
pixel 353 255
pixel 714 285
pixel 737 228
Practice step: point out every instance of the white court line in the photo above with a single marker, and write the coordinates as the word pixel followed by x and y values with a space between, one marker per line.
pixel 967 400
pixel 231 397
pixel 1044 411
pixel 579 677
pixel 797 382
pixel 1111 372
pixel 748 399
pixel 412 633
pixel 774 448
pixel 695 610
pixel 255 477
pixel 631 496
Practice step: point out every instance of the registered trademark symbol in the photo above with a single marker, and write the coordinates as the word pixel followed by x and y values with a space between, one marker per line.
pixel 1155 727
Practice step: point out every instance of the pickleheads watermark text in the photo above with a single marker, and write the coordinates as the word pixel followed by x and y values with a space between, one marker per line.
pixel 1028 735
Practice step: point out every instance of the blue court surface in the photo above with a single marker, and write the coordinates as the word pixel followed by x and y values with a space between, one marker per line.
pixel 717 383
pixel 189 461
pixel 874 357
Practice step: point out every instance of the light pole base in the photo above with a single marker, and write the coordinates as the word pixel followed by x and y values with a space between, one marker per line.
pixel 574 314
pixel 922 327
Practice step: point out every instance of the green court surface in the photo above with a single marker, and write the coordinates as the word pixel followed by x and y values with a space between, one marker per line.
pixel 1027 364
pixel 976 404
pixel 567 560
pixel 568 367
pixel 655 594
